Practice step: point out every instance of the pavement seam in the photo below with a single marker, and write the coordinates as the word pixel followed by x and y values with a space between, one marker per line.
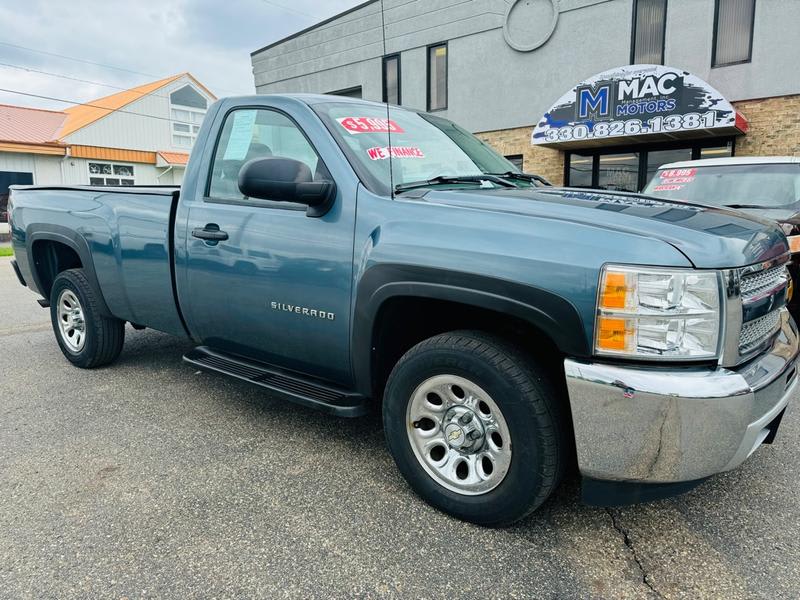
pixel 25 329
pixel 626 538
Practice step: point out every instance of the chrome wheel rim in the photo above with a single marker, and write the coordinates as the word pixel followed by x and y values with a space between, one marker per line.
pixel 71 324
pixel 458 434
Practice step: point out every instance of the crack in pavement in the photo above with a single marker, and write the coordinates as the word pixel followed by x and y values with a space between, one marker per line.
pixel 629 545
pixel 25 329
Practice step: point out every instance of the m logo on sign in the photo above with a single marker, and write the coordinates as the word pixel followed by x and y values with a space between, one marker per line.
pixel 591 102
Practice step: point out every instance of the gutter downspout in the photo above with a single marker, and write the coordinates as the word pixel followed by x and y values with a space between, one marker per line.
pixel 169 168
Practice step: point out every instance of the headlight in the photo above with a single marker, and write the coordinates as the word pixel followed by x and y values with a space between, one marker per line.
pixel 658 313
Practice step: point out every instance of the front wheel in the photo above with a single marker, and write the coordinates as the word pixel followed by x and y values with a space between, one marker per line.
pixel 475 427
pixel 86 338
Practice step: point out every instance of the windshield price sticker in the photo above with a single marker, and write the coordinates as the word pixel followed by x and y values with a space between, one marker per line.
pixel 384 152
pixel 677 176
pixel 354 125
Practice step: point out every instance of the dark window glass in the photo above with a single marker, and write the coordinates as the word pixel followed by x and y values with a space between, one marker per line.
pixel 516 160
pixel 188 96
pixel 733 31
pixel 7 179
pixel 437 77
pixel 717 151
pixel 649 24
pixel 580 170
pixel 391 79
pixel 656 158
pixel 97 181
pixel 619 172
pixel 353 92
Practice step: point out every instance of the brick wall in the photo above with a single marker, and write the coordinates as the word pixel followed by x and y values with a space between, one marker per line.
pixel 546 162
pixel 774 131
pixel 774 127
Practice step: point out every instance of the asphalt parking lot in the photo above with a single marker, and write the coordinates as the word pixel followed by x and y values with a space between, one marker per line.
pixel 149 479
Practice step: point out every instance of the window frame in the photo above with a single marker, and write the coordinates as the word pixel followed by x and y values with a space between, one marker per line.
pixel 663 32
pixel 255 202
pixel 191 134
pixel 387 58
pixel 715 36
pixel 113 175
pixel 428 76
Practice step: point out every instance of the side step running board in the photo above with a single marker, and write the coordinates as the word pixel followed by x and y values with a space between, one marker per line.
pixel 303 391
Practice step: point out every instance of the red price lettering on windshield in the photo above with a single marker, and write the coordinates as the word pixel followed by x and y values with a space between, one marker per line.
pixel 369 125
pixel 381 153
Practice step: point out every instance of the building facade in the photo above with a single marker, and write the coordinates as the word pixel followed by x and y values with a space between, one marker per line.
pixel 140 136
pixel 505 68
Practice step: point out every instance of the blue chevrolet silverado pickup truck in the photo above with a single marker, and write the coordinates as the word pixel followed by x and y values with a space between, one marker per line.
pixel 345 254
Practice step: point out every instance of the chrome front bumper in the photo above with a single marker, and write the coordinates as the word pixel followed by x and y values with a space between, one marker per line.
pixel 655 425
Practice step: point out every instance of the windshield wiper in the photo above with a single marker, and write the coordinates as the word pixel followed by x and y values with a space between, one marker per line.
pixel 449 179
pixel 523 177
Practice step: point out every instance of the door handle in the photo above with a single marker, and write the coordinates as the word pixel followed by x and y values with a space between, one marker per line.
pixel 210 233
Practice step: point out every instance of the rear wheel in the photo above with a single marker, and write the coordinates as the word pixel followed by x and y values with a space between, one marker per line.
pixel 86 338
pixel 475 427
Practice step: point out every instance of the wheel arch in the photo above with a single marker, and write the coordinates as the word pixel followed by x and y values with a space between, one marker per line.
pixel 53 249
pixel 398 306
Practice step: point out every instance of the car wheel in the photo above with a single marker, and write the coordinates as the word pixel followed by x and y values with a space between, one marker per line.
pixel 475 427
pixel 86 338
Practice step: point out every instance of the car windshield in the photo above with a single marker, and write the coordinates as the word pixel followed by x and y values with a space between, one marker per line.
pixel 423 147
pixel 743 186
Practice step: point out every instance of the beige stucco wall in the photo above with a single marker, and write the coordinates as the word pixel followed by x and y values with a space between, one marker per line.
pixel 774 131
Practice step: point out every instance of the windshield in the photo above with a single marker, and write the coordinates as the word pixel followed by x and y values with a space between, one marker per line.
pixel 766 185
pixel 422 146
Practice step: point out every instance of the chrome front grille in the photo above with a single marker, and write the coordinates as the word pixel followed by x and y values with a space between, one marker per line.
pixel 755 332
pixel 755 289
pixel 762 281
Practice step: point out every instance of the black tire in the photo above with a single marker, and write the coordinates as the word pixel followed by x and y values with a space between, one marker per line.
pixel 104 336
pixel 529 403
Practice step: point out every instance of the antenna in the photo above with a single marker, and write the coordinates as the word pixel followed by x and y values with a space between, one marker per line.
pixel 388 120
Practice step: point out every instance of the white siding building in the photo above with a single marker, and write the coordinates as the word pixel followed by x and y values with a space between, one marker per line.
pixel 140 136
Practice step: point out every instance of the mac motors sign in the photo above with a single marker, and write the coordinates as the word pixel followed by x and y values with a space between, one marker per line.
pixel 637 103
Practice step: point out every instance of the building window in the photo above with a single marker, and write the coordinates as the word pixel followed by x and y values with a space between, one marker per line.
pixel 649 29
pixel 437 77
pixel 110 174
pixel 733 32
pixel 7 179
pixel 353 92
pixel 516 160
pixel 187 110
pixel 391 79
pixel 630 168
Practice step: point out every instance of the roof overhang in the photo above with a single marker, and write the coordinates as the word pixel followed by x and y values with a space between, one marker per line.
pixel 637 104
pixel 171 159
pixel 51 149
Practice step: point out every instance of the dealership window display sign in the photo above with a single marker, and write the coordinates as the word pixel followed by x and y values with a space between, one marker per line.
pixel 637 103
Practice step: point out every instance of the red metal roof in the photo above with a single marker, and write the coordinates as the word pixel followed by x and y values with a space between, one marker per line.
pixel 29 125
pixel 174 158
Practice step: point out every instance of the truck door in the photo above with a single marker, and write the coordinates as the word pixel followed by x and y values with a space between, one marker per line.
pixel 263 280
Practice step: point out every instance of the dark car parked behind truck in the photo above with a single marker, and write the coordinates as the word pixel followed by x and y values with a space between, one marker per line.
pixel 345 254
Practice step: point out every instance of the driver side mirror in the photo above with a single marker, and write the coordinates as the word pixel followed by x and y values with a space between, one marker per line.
pixel 286 180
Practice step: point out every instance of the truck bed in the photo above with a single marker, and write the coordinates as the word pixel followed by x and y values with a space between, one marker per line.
pixel 126 233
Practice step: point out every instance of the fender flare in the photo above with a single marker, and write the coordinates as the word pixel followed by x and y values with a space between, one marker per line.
pixel 555 316
pixel 74 241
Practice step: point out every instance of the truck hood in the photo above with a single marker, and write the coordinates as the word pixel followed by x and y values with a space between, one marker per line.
pixel 709 237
